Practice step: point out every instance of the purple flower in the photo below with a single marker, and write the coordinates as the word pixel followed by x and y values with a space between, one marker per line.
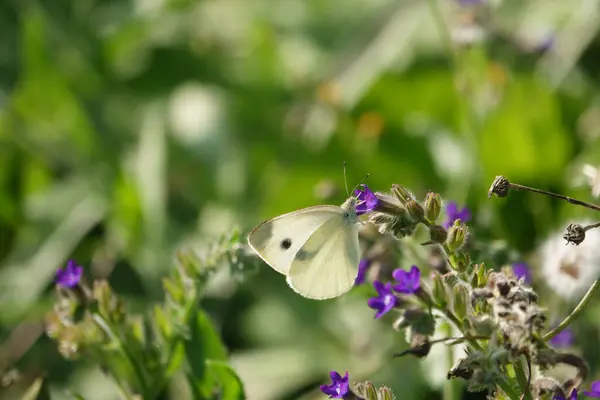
pixel 573 396
pixel 453 214
pixel 595 391
pixel 467 3
pixel 408 281
pixel 363 266
pixel 367 201
pixel 385 301
pixel 563 339
pixel 521 270
pixel 69 276
pixel 339 386
pixel 546 43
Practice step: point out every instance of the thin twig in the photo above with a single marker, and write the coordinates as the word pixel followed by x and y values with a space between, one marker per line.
pixel 556 195
pixel 575 313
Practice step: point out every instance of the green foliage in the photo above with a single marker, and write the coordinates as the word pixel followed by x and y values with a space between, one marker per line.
pixel 130 130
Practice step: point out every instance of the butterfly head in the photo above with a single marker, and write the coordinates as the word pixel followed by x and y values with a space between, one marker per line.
pixel 349 209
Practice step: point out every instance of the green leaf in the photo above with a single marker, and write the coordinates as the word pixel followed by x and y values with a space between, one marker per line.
pixel 204 344
pixel 37 391
pixel 231 386
pixel 175 361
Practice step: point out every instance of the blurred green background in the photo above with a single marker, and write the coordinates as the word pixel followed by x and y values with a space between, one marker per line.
pixel 130 129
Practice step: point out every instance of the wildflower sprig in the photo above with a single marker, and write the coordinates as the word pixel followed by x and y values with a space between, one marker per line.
pixel 498 314
pixel 142 352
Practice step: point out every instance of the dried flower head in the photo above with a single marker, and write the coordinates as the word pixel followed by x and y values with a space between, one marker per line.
pixel 569 270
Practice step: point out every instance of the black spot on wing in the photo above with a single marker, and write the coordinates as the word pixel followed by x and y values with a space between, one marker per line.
pixel 286 243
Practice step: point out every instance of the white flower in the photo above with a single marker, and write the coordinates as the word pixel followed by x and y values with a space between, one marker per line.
pixel 568 269
pixel 593 178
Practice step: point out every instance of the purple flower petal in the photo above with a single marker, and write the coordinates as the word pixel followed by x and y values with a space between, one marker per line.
pixel 521 270
pixel 70 276
pixel 453 213
pixel 385 301
pixel 467 3
pixel 363 267
pixel 409 282
pixel 339 386
pixel 564 339
pixel 367 201
pixel 595 390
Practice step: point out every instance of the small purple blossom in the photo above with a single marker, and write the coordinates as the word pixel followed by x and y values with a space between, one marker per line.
pixel 467 3
pixel 409 282
pixel 363 267
pixel 367 201
pixel 385 301
pixel 521 270
pixel 70 276
pixel 573 396
pixel 594 391
pixel 565 338
pixel 546 43
pixel 453 214
pixel 339 386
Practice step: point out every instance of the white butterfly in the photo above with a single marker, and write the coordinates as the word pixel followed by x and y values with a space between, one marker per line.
pixel 316 248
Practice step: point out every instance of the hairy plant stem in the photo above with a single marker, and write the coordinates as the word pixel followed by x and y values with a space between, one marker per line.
pixel 138 371
pixel 450 384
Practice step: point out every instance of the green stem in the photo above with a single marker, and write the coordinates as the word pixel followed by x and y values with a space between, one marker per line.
pixel 125 351
pixel 449 385
pixel 187 315
pixel 576 311
pixel 508 389
pixel 444 31
pixel 522 378
pixel 467 123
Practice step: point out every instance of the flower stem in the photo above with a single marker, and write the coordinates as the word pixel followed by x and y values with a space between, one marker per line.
pixel 576 311
pixel 556 195
pixel 508 389
pixel 450 384
pixel 110 332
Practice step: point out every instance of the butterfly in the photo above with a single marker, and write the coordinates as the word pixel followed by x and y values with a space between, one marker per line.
pixel 316 248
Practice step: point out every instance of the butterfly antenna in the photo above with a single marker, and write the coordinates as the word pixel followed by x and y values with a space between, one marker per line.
pixel 346 180
pixel 360 183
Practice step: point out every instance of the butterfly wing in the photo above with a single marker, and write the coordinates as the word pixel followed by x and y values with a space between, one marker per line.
pixel 327 265
pixel 278 240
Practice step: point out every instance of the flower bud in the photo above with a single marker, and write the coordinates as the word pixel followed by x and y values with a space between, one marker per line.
pixel 438 294
pixel 480 276
pixel 456 236
pixel 109 306
pixel 385 394
pixel 369 391
pixel 433 206
pixel 461 300
pixel 416 211
pixel 437 234
pixel 402 194
pixel 388 204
